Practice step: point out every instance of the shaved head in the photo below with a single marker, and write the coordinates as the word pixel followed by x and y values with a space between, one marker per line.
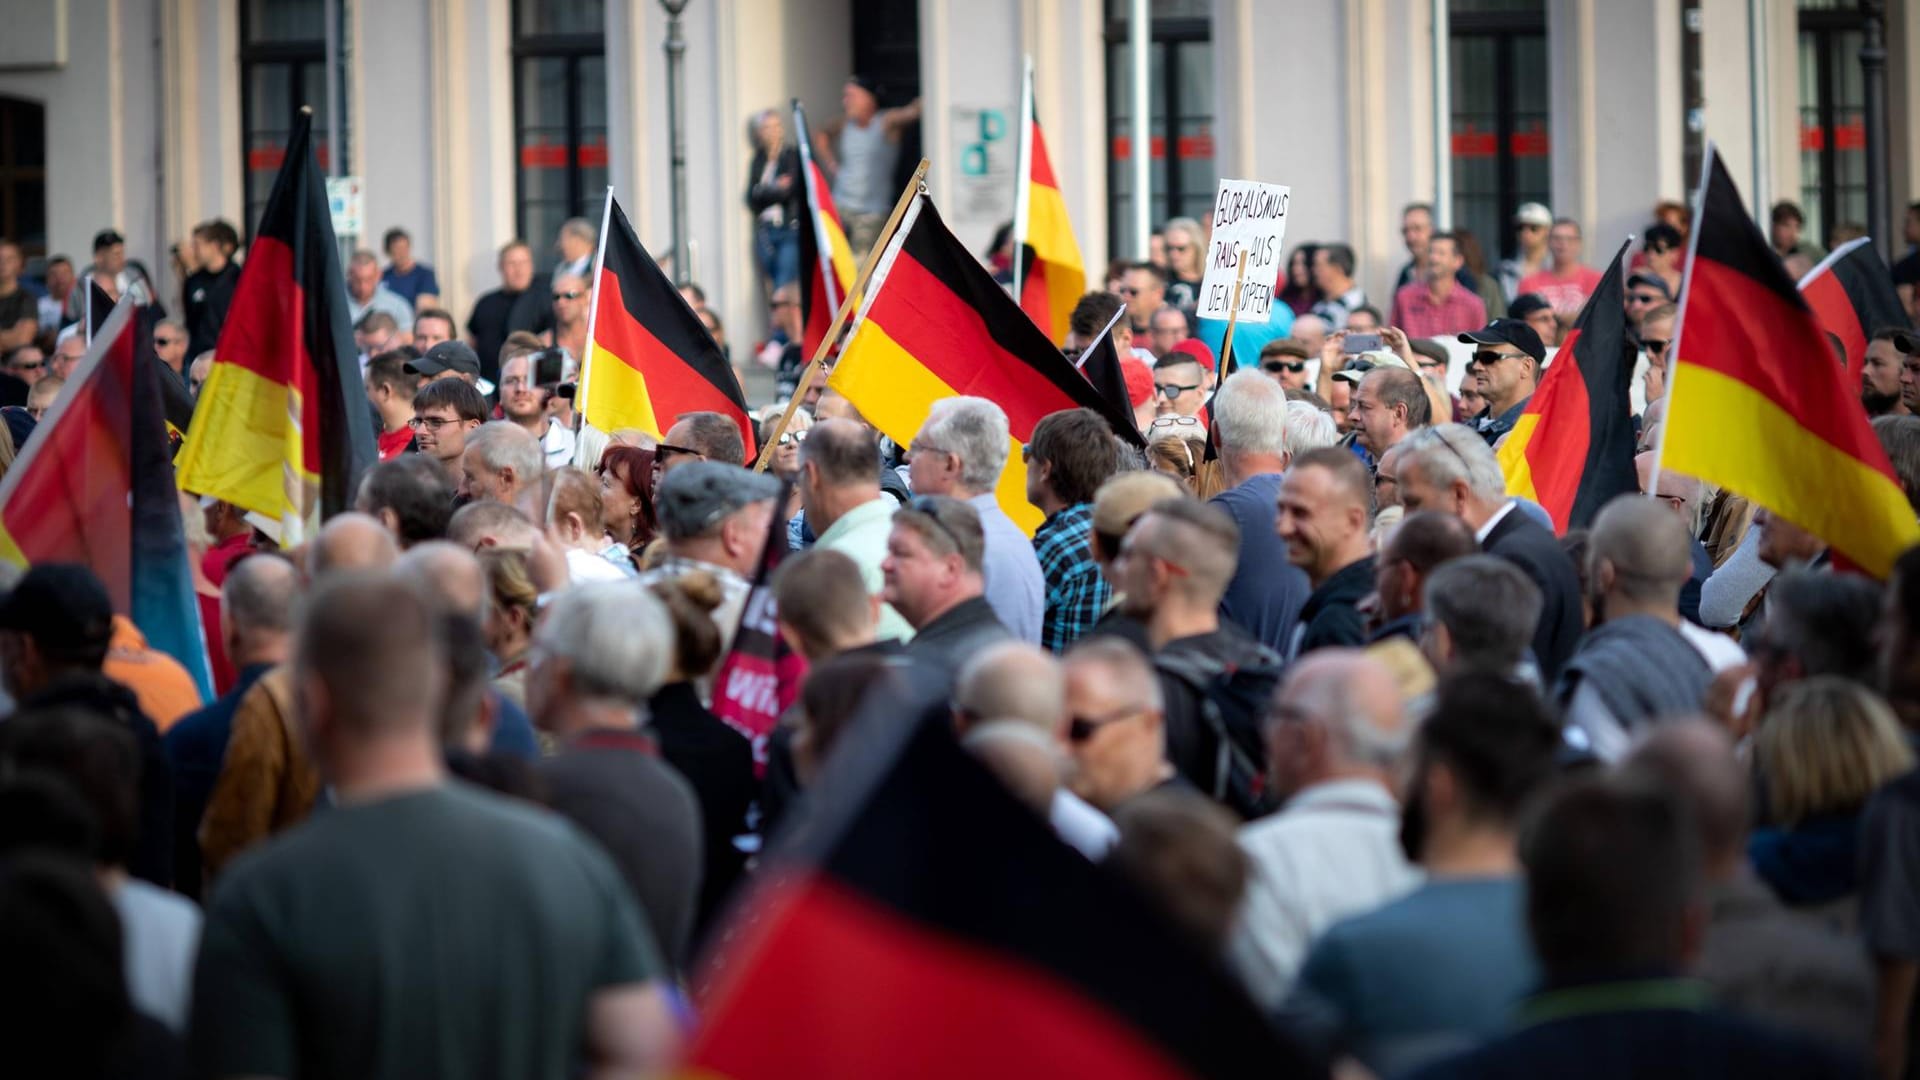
pixel 448 575
pixel 1356 697
pixel 1694 759
pixel 1012 681
pixel 351 541
pixel 1640 550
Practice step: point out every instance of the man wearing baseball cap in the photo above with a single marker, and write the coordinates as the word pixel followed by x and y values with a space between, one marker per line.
pixel 1530 225
pixel 451 360
pixel 1507 365
pixel 714 516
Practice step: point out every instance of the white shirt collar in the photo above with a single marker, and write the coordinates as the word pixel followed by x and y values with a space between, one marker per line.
pixel 1506 508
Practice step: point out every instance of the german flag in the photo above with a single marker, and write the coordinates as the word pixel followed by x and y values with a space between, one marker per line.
pixel 1756 403
pixel 649 357
pixel 95 486
pixel 895 936
pixel 934 324
pixel 1572 450
pixel 826 259
pixel 1851 294
pixel 282 426
pixel 1055 276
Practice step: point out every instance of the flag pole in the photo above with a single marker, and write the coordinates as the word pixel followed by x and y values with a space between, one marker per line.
pixel 593 313
pixel 1233 319
pixel 1022 170
pixel 914 187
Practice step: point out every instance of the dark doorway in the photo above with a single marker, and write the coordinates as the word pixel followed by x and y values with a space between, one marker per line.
pixel 23 174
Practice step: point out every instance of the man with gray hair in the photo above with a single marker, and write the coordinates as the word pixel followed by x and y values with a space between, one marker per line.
pixel 366 293
pixel 1253 425
pixel 1335 734
pixel 1452 469
pixel 504 464
pixel 1481 611
pixel 961 451
pixel 599 653
pixel 715 518
pixel 1633 667
pixel 578 237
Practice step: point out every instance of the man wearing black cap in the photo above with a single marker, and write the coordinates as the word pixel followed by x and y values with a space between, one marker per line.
pixel 55 627
pixel 1508 365
pixel 450 360
pixel 1533 309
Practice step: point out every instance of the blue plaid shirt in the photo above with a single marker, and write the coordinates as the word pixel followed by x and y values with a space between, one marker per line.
pixel 1076 593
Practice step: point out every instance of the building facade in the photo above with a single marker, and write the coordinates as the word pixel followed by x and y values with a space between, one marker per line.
pixel 476 121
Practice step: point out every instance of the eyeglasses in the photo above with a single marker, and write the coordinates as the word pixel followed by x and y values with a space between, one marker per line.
pixel 431 423
pixel 1083 728
pixel 1173 390
pixel 573 294
pixel 918 447
pixel 1129 291
pixel 1654 346
pixel 930 506
pixel 1276 366
pixel 1489 357
pixel 1175 421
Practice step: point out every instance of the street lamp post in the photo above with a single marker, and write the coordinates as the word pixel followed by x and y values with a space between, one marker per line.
pixel 676 138
pixel 1873 71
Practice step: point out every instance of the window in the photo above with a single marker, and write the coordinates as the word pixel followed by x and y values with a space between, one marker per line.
pixel 1180 81
pixel 1833 127
pixel 1500 138
pixel 283 65
pixel 23 174
pixel 560 117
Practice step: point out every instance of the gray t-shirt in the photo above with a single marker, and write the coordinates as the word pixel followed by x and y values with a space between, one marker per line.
pixel 446 932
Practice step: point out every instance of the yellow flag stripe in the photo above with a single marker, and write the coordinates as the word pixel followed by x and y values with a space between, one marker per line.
pixel 894 392
pixel 244 441
pixel 1513 457
pixel 1725 432
pixel 617 395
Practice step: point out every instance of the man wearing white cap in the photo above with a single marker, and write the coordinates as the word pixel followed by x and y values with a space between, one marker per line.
pixel 1530 225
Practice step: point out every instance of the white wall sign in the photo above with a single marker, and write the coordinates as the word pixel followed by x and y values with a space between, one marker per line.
pixel 347 202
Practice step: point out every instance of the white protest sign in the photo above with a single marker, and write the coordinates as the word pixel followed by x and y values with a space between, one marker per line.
pixel 347 202
pixel 1250 217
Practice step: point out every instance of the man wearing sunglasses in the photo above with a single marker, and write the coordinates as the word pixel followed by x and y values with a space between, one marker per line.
pixel 26 363
pixel 1507 362
pixel 1285 362
pixel 932 575
pixel 1179 384
pixel 1145 291
pixel 569 314
pixel 1116 724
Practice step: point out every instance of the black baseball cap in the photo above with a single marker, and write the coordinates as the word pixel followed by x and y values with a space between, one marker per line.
pixel 106 238
pixel 63 607
pixel 1526 304
pixel 1509 332
pixel 454 356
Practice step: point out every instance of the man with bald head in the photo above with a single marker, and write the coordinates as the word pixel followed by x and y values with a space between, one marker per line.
pixel 1325 511
pixel 1173 568
pixel 257 601
pixel 1421 544
pixel 1336 732
pixel 452 580
pixel 351 541
pixel 1115 729
pixel 1761 959
pixel 1633 667
pixel 1015 681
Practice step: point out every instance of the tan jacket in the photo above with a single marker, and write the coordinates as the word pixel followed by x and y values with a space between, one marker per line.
pixel 266 782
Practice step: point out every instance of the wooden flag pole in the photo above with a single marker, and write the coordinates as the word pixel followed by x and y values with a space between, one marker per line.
pixel 1233 319
pixel 914 187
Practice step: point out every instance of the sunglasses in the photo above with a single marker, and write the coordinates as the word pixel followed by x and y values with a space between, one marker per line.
pixel 1173 390
pixel 1129 291
pixel 1080 729
pixel 927 504
pixel 1645 298
pixel 169 341
pixel 663 451
pixel 1654 346
pixel 792 438
pixel 573 294
pixel 28 365
pixel 1489 357
pixel 1294 366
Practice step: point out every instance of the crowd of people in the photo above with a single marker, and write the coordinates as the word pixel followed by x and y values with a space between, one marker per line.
pixel 1447 793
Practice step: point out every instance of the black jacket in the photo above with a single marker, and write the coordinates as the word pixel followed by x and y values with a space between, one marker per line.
pixel 960 632
pixel 1523 542
pixel 718 762
pixel 761 196
pixel 208 295
pixel 1332 615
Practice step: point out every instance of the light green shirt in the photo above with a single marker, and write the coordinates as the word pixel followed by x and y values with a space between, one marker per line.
pixel 861 535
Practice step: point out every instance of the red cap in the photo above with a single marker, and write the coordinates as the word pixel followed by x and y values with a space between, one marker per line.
pixel 1139 381
pixel 1197 349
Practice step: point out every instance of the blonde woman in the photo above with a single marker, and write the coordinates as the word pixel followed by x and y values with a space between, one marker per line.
pixel 1186 262
pixel 1825 745
pixel 511 603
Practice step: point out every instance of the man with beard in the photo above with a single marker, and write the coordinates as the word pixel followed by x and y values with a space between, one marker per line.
pixel 1882 376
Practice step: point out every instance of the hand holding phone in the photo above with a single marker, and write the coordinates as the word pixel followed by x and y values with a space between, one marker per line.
pixel 1354 344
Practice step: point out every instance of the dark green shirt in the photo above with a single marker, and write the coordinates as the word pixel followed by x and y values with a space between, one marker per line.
pixel 446 932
